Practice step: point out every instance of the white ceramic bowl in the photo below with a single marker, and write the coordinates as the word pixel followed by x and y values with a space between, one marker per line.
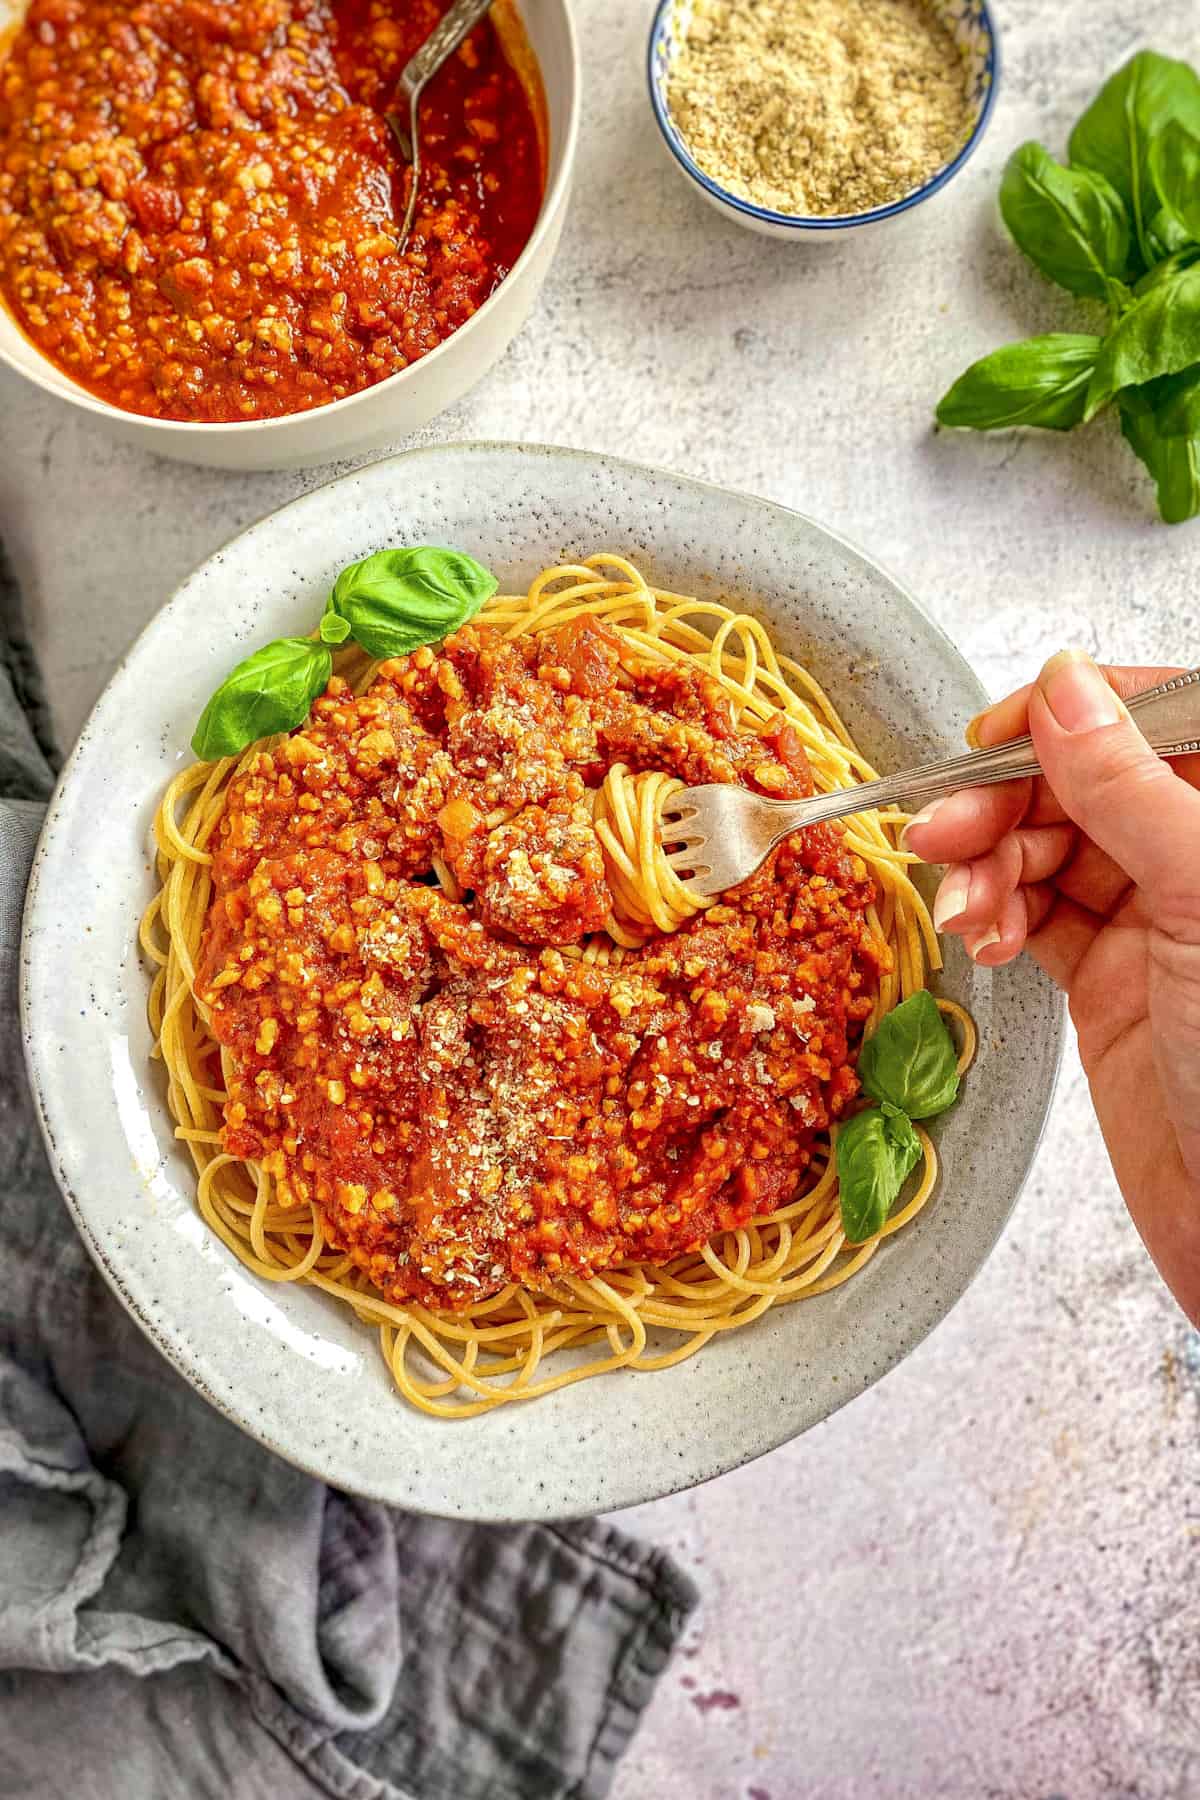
pixel 287 1363
pixel 970 24
pixel 403 403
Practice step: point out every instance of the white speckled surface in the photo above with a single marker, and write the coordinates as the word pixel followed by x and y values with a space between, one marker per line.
pixel 978 1580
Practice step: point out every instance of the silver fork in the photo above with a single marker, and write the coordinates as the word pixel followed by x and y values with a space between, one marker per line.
pixel 718 835
pixel 442 42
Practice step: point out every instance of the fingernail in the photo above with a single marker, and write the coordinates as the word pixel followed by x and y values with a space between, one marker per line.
pixel 1077 693
pixel 952 895
pixel 972 732
pixel 924 817
pixel 984 941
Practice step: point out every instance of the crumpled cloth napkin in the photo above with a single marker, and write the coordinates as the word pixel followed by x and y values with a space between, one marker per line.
pixel 184 1615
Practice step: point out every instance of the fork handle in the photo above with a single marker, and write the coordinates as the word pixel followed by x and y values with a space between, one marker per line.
pixel 402 119
pixel 1168 717
pixel 442 41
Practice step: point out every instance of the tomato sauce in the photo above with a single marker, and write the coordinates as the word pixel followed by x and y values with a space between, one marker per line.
pixel 200 200
pixel 465 1100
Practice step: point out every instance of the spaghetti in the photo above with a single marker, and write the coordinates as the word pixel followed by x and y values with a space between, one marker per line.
pixel 561 1323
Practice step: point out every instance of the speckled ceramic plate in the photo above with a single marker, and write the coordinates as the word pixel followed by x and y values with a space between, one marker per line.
pixel 289 1365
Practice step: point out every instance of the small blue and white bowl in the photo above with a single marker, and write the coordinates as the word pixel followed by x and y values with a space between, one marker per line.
pixel 973 29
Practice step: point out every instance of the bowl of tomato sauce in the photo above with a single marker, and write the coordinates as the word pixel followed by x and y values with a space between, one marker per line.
pixel 200 205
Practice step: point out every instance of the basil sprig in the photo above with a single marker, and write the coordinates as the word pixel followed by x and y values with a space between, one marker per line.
pixel 1158 336
pixel 1043 381
pixel 399 599
pixel 1173 458
pixel 1121 226
pixel 390 603
pixel 910 1061
pixel 1115 136
pixel 1175 175
pixel 270 691
pixel 909 1066
pixel 876 1152
pixel 1071 222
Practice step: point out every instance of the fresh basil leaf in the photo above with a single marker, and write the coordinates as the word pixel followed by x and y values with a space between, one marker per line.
pixel 1071 222
pixel 399 599
pixel 1114 135
pixel 909 1060
pixel 1175 171
pixel 1041 381
pixel 1159 335
pixel 1166 270
pixel 270 691
pixel 1178 480
pixel 1136 413
pixel 334 629
pixel 1166 237
pixel 876 1152
pixel 1173 460
pixel 1176 402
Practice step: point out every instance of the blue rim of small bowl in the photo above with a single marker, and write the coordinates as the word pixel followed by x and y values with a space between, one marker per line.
pixel 815 221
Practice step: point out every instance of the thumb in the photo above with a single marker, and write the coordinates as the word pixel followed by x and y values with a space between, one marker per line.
pixel 1109 781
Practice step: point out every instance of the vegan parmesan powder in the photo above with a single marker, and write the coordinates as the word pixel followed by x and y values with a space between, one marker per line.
pixel 819 106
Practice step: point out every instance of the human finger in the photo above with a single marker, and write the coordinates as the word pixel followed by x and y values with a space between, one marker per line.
pixel 1092 879
pixel 1004 938
pixel 967 824
pixel 1138 810
pixel 1009 718
pixel 1123 796
pixel 1055 932
pixel 1060 933
pixel 973 894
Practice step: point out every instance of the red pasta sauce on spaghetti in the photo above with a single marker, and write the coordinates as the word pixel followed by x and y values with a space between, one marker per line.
pixel 200 200
pixel 467 1102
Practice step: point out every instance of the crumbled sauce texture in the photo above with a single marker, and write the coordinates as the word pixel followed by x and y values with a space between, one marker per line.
pixel 466 1104
pixel 200 200
pixel 820 106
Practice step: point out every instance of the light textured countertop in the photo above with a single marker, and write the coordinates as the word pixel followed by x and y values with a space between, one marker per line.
pixel 980 1579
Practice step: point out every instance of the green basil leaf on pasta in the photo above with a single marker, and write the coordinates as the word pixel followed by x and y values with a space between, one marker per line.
pixel 399 599
pixel 1071 222
pixel 272 690
pixel 909 1060
pixel 334 629
pixel 1040 381
pixel 1114 135
pixel 876 1152
pixel 1172 458
pixel 1159 335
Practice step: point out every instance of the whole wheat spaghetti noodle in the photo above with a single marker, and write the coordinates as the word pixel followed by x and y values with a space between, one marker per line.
pixel 524 1341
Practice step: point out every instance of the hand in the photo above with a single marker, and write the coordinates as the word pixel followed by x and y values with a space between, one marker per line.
pixel 1095 871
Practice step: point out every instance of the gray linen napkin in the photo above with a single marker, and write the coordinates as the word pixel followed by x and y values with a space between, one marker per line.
pixel 183 1614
